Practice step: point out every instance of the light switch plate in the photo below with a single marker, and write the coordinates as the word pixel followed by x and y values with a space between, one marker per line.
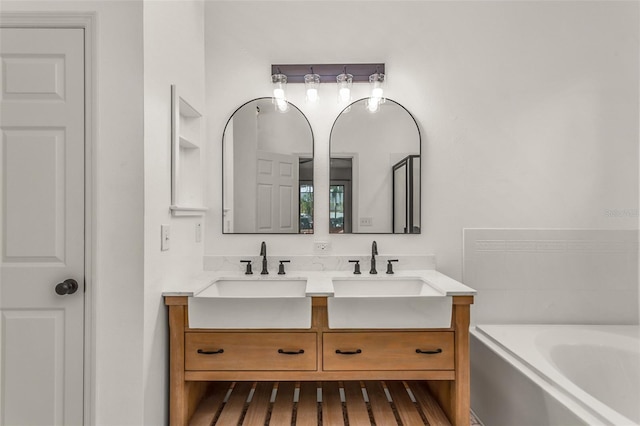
pixel 164 237
pixel 198 232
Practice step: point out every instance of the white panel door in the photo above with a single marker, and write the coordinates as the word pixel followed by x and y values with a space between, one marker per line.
pixel 277 193
pixel 42 226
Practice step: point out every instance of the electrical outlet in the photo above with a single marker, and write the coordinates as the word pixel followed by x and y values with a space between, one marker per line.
pixel 366 221
pixel 164 237
pixel 321 246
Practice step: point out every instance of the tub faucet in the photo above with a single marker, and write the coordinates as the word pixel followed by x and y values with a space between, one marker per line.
pixel 374 252
pixel 263 253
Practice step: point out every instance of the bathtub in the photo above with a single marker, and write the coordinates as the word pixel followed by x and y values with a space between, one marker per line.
pixel 543 375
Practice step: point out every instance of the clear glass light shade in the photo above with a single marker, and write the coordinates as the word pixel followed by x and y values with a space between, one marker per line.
pixel 344 87
pixel 311 83
pixel 377 91
pixel 279 82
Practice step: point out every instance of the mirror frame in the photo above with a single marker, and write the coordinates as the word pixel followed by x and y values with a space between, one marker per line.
pixel 222 170
pixel 328 201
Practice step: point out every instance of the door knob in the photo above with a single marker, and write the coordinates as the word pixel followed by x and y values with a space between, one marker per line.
pixel 68 286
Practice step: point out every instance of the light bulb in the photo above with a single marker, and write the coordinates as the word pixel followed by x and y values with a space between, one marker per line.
pixel 344 81
pixel 373 104
pixel 376 81
pixel 312 95
pixel 344 94
pixel 278 93
pixel 279 82
pixel 311 83
pixel 282 105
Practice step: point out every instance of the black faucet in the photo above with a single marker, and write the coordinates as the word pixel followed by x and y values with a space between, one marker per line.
pixel 247 271
pixel 374 252
pixel 281 267
pixel 390 265
pixel 263 253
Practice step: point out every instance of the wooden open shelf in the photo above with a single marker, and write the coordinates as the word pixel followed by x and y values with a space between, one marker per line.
pixel 332 403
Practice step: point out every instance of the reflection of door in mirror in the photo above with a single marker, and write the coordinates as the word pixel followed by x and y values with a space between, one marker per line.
pixel 340 198
pixel 406 195
pixel 277 193
pixel 267 169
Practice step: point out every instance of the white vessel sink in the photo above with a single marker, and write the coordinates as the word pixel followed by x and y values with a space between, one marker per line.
pixel 371 302
pixel 251 303
pixel 256 288
pixel 382 287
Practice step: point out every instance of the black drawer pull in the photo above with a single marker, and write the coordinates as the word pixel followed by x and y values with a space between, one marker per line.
pixel 437 351
pixel 298 352
pixel 357 351
pixel 203 352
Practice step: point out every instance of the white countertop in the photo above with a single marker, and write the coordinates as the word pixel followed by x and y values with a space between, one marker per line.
pixel 319 283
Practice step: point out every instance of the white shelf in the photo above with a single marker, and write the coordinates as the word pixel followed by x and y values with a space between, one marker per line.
pixel 186 161
pixel 187 110
pixel 187 144
pixel 178 211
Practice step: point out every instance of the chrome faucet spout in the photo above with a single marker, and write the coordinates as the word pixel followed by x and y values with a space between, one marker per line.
pixel 374 252
pixel 263 253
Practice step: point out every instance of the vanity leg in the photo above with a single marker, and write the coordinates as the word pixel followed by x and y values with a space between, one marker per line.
pixel 461 399
pixel 178 408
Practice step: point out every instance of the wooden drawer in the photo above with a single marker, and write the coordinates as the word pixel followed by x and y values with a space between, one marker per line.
pixel 388 351
pixel 250 351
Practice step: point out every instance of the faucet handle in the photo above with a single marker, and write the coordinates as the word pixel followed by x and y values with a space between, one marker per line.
pixel 356 268
pixel 248 270
pixel 281 267
pixel 390 265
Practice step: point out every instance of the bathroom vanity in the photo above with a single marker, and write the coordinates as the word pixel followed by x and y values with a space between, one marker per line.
pixel 208 365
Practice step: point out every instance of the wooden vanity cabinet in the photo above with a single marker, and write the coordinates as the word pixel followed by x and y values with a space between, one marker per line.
pixel 438 358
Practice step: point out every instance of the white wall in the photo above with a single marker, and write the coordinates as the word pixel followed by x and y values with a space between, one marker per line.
pixel 528 110
pixel 117 286
pixel 173 54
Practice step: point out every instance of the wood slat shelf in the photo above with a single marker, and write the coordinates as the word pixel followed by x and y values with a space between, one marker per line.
pixel 334 403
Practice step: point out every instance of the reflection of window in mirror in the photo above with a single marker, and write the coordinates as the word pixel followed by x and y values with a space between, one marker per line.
pixel 340 198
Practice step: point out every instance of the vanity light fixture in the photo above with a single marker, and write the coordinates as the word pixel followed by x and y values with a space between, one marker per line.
pixel 311 83
pixel 376 80
pixel 279 82
pixel 358 73
pixel 344 81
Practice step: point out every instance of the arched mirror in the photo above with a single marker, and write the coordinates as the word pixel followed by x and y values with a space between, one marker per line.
pixel 267 170
pixel 375 170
